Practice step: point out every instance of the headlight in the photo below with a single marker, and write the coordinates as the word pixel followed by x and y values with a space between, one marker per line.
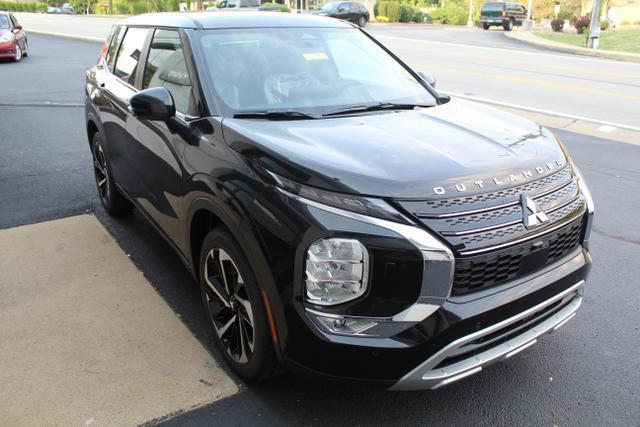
pixel 364 205
pixel 589 200
pixel 336 271
pixel 6 37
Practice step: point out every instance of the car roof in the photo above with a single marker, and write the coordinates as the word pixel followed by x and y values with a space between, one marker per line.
pixel 224 19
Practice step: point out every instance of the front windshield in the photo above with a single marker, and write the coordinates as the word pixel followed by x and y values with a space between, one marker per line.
pixel 4 22
pixel 309 70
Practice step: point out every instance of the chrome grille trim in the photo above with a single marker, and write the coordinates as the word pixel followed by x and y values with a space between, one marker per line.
pixel 506 224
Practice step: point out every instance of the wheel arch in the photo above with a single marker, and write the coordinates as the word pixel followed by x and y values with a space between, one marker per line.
pixel 205 214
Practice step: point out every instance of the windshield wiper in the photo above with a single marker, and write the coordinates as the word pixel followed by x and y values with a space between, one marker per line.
pixel 273 115
pixel 375 107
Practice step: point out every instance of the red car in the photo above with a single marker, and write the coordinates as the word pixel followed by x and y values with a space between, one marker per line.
pixel 13 39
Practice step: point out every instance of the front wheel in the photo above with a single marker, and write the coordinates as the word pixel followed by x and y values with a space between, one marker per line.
pixel 485 26
pixel 362 21
pixel 18 54
pixel 234 307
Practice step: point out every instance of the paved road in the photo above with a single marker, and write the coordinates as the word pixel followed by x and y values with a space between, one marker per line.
pixel 585 374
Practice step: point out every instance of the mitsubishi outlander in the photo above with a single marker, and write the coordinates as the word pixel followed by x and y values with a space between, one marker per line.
pixel 342 217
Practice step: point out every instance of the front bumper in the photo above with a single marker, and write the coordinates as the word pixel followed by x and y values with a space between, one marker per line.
pixel 7 50
pixel 427 346
pixel 432 374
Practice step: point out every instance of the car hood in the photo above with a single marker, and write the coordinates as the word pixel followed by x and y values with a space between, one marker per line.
pixel 3 31
pixel 458 147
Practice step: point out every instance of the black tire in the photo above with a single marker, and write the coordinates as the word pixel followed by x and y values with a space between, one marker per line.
pixel 485 26
pixel 112 200
pixel 26 47
pixel 362 21
pixel 223 261
pixel 508 26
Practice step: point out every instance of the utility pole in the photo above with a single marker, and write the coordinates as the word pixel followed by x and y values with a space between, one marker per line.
pixel 528 23
pixel 470 20
pixel 594 27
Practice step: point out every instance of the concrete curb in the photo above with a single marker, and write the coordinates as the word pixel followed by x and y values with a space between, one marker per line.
pixel 67 36
pixel 538 41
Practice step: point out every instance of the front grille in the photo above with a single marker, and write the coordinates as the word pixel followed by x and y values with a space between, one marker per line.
pixel 497 267
pixel 487 233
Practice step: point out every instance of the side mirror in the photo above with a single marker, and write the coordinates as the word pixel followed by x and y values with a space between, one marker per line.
pixel 155 103
pixel 18 27
pixel 428 78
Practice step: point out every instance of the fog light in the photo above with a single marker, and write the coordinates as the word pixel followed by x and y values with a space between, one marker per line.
pixel 336 271
pixel 346 326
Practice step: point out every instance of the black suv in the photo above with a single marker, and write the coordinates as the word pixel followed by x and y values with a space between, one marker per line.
pixel 345 10
pixel 341 216
pixel 507 15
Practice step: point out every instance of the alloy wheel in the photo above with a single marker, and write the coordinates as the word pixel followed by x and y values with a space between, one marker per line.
pixel 18 55
pixel 101 172
pixel 229 306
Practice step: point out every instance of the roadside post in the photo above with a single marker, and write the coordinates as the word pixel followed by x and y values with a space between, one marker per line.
pixel 527 25
pixel 470 20
pixel 594 26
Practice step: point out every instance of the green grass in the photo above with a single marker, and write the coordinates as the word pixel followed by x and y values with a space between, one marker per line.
pixel 622 40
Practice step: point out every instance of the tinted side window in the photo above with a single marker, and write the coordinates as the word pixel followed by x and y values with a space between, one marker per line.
pixel 166 66
pixel 129 54
pixel 116 38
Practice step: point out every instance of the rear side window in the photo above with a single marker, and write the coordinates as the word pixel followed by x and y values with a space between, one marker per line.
pixel 129 54
pixel 166 67
pixel 116 38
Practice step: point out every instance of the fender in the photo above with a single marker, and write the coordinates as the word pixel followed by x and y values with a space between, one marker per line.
pixel 228 209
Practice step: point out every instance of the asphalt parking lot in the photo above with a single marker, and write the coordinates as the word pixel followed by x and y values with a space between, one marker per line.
pixel 587 373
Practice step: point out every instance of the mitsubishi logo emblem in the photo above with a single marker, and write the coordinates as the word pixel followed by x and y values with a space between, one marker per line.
pixel 532 215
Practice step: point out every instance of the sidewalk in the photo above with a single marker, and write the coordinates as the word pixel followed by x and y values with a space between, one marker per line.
pixel 530 38
pixel 85 339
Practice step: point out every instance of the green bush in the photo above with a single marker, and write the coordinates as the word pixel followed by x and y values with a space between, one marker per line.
pixel 170 6
pixel 138 7
pixel 453 13
pixel 121 8
pixel 278 6
pixel 3 5
pixel 418 16
pixel 604 24
pixel 406 13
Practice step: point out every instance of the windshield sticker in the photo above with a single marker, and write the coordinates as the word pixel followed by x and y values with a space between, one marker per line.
pixel 319 56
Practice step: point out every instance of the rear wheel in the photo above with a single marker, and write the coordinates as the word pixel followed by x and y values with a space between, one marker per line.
pixel 234 307
pixel 508 26
pixel 112 200
pixel 362 21
pixel 485 26
pixel 26 47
